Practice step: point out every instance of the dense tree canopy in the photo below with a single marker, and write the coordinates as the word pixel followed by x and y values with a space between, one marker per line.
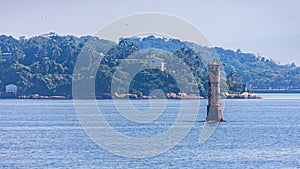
pixel 45 64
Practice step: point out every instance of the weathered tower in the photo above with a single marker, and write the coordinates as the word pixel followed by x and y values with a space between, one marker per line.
pixel 214 107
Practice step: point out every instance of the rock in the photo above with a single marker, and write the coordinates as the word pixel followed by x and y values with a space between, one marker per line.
pixel 244 95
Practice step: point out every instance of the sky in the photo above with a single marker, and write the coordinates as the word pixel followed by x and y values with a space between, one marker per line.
pixel 269 28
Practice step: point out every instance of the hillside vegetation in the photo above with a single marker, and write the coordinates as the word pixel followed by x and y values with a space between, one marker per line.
pixel 45 64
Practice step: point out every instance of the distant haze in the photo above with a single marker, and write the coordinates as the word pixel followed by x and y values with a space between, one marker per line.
pixel 270 28
pixel 282 49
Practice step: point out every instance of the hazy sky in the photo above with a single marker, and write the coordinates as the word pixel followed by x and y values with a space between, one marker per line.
pixel 267 27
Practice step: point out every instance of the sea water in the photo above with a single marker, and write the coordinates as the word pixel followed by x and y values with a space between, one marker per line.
pixel 262 133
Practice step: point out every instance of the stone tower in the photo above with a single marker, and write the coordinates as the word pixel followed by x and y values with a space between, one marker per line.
pixel 214 107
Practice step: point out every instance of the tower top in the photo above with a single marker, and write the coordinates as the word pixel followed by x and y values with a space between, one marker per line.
pixel 215 63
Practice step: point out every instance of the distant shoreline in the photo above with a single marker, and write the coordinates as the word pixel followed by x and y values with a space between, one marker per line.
pixel 275 90
pixel 230 96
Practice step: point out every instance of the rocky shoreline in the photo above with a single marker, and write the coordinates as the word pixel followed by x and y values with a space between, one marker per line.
pixel 34 96
pixel 168 96
pixel 244 95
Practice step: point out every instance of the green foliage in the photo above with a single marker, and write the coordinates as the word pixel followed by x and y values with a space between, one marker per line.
pixel 258 72
pixel 45 64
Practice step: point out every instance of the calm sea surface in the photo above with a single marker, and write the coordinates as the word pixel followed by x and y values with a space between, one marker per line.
pixel 47 134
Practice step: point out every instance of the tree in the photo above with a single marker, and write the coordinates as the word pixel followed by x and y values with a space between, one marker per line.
pixel 0 55
pixel 123 43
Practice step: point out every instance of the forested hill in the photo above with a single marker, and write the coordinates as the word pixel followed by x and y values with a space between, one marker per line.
pixel 245 68
pixel 44 65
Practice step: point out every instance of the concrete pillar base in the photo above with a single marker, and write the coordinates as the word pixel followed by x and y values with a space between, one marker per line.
pixel 214 113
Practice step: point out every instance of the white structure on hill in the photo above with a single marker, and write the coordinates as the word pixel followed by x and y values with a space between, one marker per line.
pixel 157 63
